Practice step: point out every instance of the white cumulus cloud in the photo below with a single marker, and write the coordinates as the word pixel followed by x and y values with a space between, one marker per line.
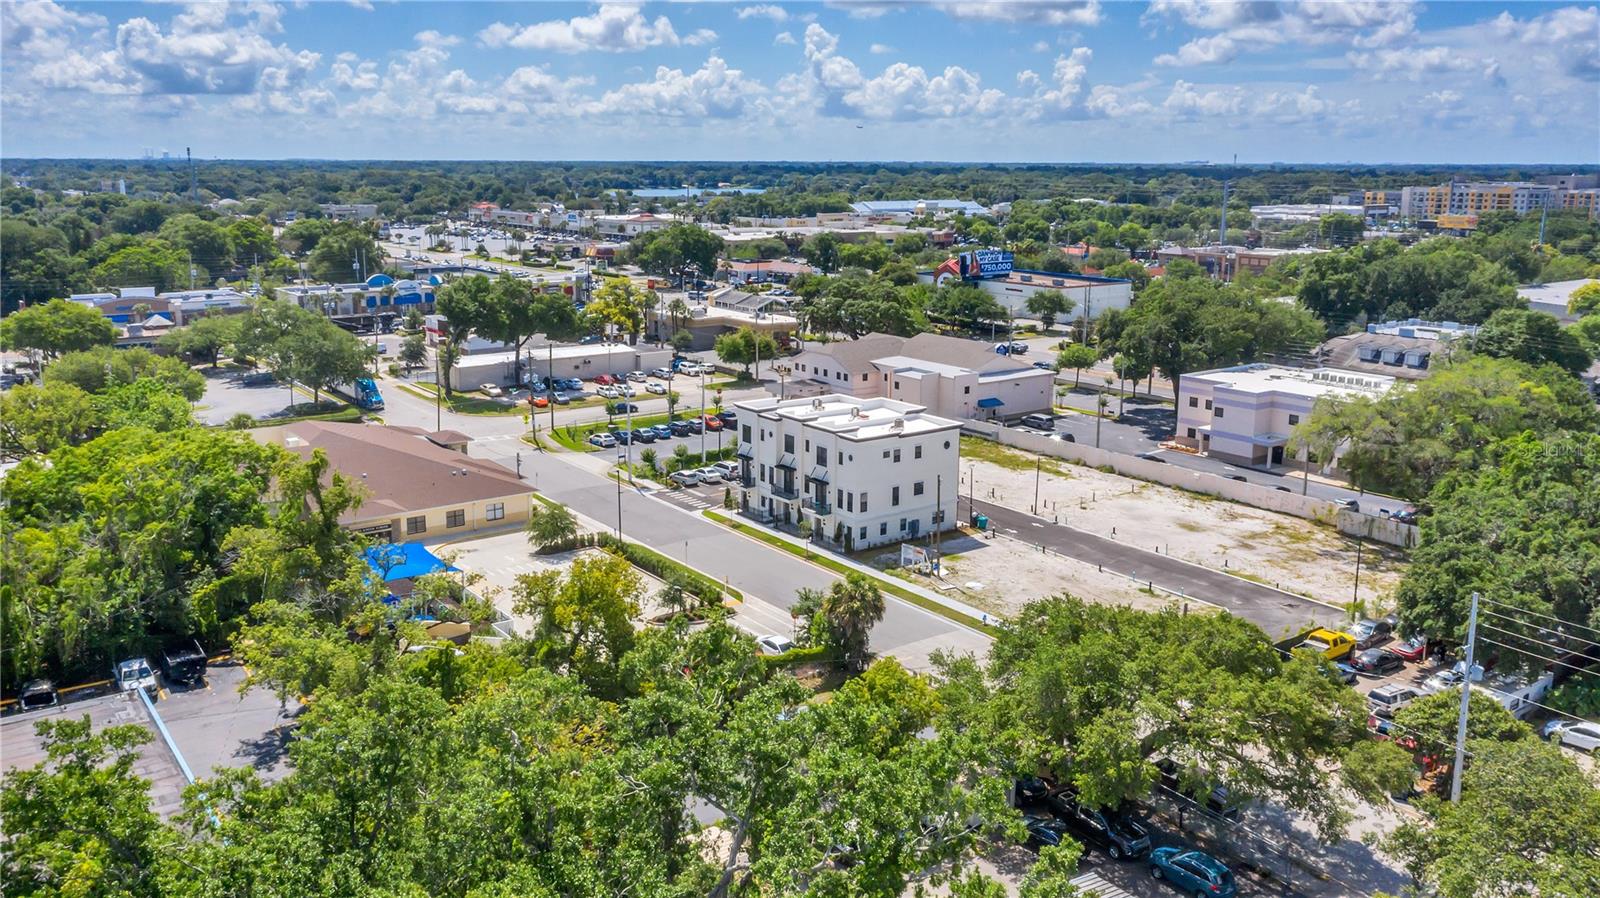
pixel 763 11
pixel 613 28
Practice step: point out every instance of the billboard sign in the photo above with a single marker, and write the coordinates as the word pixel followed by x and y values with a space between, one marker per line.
pixel 986 263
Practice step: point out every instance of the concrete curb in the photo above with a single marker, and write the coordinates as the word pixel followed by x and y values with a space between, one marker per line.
pixel 954 605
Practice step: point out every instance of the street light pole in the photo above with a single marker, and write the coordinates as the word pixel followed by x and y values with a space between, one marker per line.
pixel 702 415
pixel 438 394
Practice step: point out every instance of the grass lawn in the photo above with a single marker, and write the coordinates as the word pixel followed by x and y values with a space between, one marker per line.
pixel 1006 457
pixel 832 564
pixel 462 403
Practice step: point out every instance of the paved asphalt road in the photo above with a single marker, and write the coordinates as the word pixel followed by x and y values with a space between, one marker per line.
pixel 1276 613
pixel 747 565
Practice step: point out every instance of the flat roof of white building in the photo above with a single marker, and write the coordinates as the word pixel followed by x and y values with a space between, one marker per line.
pixel 1312 383
pixel 851 417
pixel 542 353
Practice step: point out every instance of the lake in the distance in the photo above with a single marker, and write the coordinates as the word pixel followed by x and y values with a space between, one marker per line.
pixel 694 191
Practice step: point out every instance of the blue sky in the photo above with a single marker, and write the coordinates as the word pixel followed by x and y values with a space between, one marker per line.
pixel 1080 81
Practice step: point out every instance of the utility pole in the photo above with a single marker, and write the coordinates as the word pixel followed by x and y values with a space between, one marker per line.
pixel 702 416
pixel 1466 693
pixel 438 393
pixel 1222 235
pixel 1355 591
pixel 194 184
pixel 550 381
pixel 1544 213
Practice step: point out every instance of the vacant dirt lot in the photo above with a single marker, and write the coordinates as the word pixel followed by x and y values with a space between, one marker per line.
pixel 501 558
pixel 1276 549
pixel 1000 575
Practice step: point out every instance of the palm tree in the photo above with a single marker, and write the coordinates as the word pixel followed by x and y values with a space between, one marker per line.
pixel 677 312
pixel 852 607
pixel 550 525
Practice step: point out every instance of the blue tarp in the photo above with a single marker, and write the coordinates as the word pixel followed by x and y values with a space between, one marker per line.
pixel 990 402
pixel 413 560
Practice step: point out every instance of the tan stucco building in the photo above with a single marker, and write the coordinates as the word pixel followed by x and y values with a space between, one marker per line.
pixel 419 485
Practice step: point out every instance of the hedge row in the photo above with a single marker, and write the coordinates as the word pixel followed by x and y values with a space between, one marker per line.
pixel 663 568
pixel 648 560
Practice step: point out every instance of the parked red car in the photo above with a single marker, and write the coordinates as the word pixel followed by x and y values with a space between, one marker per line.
pixel 605 380
pixel 1412 648
pixel 712 422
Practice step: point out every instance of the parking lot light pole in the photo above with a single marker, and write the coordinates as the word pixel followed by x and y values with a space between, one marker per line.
pixel 702 415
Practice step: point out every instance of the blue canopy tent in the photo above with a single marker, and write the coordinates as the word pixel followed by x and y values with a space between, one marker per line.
pixel 396 562
pixel 405 561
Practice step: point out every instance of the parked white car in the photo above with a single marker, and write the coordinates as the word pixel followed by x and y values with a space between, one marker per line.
pixel 773 644
pixel 663 373
pixel 608 392
pixel 627 390
pixel 491 390
pixel 1584 735
pixel 603 440
pixel 692 369
pixel 728 468
pixel 636 376
pixel 660 389
pixel 685 477
pixel 710 475
pixel 134 673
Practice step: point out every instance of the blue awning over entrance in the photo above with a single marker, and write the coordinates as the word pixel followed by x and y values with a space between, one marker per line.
pixel 990 402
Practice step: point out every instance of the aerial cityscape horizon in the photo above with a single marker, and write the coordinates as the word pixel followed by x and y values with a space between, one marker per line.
pixel 837 449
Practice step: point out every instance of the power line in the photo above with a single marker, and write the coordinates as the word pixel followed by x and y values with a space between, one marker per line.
pixel 1558 620
pixel 1515 621
pixel 1545 658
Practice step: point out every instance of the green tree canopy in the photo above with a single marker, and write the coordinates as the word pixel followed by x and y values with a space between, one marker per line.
pixel 1522 529
pixel 55 328
pixel 345 251
pixel 1408 439
pixel 1050 306
pixel 671 249
pixel 80 823
pixel 743 346
pixel 1533 337
pixel 1528 823
pixel 99 369
pixel 110 540
pixel 1096 694
pixel 205 338
pixel 1187 325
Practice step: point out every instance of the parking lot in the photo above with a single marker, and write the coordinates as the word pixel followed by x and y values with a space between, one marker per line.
pixel 695 498
pixel 214 726
pixel 21 747
pixel 211 724
pixel 227 395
